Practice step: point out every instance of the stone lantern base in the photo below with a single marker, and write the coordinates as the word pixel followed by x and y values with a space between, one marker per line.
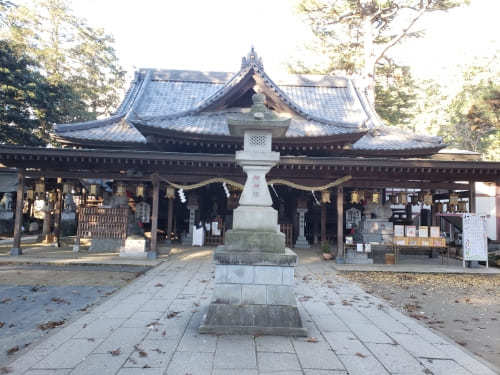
pixel 253 294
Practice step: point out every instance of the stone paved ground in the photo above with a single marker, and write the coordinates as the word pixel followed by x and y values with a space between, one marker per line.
pixel 150 327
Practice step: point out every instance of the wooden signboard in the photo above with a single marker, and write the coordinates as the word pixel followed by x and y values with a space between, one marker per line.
pixel 475 241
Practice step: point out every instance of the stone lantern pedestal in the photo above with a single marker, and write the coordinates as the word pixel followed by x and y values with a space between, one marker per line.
pixel 254 272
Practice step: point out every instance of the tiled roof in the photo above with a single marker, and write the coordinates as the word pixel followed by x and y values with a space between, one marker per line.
pixel 187 101
pixel 214 123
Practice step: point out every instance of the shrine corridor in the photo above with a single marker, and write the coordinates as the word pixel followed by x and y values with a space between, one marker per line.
pixel 150 327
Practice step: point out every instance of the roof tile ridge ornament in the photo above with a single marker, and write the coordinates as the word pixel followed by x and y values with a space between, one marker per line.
pixel 252 60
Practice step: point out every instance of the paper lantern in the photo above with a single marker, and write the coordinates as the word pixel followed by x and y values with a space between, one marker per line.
pixel 121 189
pixel 325 197
pixel 30 194
pixel 428 199
pixel 170 193
pixel 376 197
pixel 139 191
pixel 454 199
pixel 402 198
pixel 355 197
pixel 40 187
pixel 52 196
pixel 93 189
pixel 462 206
pixel 67 187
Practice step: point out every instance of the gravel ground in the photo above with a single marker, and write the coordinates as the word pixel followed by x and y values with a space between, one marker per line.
pixel 465 308
pixel 36 300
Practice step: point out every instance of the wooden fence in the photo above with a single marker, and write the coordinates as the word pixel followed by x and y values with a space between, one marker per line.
pixel 103 223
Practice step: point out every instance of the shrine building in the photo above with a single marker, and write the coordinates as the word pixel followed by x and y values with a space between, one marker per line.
pixel 165 160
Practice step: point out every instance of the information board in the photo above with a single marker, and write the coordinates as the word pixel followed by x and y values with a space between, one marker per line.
pixel 475 241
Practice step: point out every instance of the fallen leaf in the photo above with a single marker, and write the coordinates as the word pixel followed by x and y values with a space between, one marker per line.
pixel 142 353
pixel 5 370
pixel 158 351
pixel 115 352
pixel 159 285
pixel 2 324
pixel 361 355
pixel 50 325
pixel 13 350
pixel 172 314
pixel 6 300
pixel 146 366
pixel 312 339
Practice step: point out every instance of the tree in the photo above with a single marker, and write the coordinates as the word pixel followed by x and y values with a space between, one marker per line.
pixel 29 103
pixel 474 115
pixel 69 52
pixel 358 34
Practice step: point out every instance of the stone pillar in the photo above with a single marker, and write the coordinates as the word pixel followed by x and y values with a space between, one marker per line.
pixel 340 224
pixel 18 221
pixel 47 219
pixel 192 207
pixel 301 239
pixel 57 218
pixel 323 223
pixel 154 218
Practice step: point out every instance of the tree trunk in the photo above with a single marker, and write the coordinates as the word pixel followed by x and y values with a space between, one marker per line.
pixel 369 57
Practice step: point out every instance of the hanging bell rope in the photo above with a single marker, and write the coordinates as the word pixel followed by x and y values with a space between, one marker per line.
pixel 277 181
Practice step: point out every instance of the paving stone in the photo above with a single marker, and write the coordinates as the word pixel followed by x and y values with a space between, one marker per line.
pixel 142 318
pixel 325 372
pixel 272 362
pixel 317 308
pixel 102 364
pixel 48 372
pixel 345 343
pixel 444 367
pixel 193 363
pixel 68 355
pixel 465 360
pixel 140 371
pixel 238 371
pixel 194 342
pixel 359 365
pixel 275 344
pixel 235 352
pixel 330 323
pixel 417 346
pixel 316 355
pixel 349 315
pixel 152 353
pixel 124 339
pixel 396 359
pixel 370 333
pixel 99 328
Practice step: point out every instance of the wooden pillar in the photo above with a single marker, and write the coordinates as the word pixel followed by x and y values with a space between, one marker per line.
pixel 47 218
pixel 323 223
pixel 170 219
pixel 57 218
pixel 18 221
pixel 154 216
pixel 340 222
pixel 472 197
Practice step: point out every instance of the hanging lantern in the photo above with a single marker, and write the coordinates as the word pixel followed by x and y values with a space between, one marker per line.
pixel 427 199
pixel 376 197
pixel 170 193
pixel 67 187
pixel 30 194
pixel 52 196
pixel 402 198
pixel 325 197
pixel 121 189
pixel 453 199
pixel 139 191
pixel 40 187
pixel 462 206
pixel 355 197
pixel 93 189
pixel 59 180
pixel 362 195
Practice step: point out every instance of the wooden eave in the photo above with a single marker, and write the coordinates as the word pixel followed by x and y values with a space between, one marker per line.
pixel 195 166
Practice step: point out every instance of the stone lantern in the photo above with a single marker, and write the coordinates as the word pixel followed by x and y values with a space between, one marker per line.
pixel 254 272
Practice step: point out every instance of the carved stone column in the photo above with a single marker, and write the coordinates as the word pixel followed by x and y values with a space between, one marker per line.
pixel 301 239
